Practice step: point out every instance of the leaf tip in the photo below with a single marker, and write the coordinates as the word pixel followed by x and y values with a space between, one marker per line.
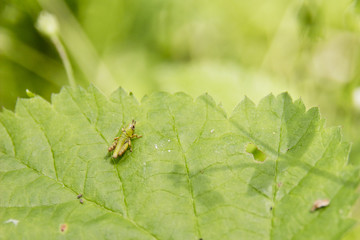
pixel 119 92
pixel 283 95
pixel 246 102
pixel 206 98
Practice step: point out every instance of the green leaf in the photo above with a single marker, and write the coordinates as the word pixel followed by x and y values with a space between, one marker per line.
pixel 188 177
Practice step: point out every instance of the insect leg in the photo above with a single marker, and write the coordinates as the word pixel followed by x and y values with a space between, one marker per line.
pixel 135 136
pixel 112 147
pixel 130 145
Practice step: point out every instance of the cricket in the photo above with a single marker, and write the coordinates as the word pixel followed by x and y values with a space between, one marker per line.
pixel 122 143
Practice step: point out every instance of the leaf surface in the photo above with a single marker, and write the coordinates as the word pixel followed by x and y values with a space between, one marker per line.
pixel 188 177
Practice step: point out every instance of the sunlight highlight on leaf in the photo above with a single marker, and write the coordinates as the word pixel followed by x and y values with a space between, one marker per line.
pixel 192 175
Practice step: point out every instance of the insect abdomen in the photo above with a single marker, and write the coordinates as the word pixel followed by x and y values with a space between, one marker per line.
pixel 123 148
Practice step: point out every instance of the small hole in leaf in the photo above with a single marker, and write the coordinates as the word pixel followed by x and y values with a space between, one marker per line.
pixel 257 154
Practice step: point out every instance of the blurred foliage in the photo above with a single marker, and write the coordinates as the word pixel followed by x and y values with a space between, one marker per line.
pixel 309 48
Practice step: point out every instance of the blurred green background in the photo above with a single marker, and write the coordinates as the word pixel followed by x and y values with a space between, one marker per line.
pixel 310 48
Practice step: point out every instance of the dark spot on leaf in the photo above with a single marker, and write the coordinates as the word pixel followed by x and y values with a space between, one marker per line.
pixel 79 196
pixel 257 154
pixel 271 208
pixel 63 227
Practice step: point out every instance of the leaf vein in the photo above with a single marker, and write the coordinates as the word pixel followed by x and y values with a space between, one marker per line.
pixel 275 189
pixel 191 190
pixel 11 138
pixel 47 139
pixel 89 200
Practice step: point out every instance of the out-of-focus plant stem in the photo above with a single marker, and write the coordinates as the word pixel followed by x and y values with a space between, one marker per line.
pixel 64 58
pixel 48 25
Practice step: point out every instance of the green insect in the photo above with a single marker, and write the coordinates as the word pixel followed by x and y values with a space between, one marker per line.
pixel 122 143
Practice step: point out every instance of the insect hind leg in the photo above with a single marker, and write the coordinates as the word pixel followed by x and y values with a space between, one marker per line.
pixel 113 145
